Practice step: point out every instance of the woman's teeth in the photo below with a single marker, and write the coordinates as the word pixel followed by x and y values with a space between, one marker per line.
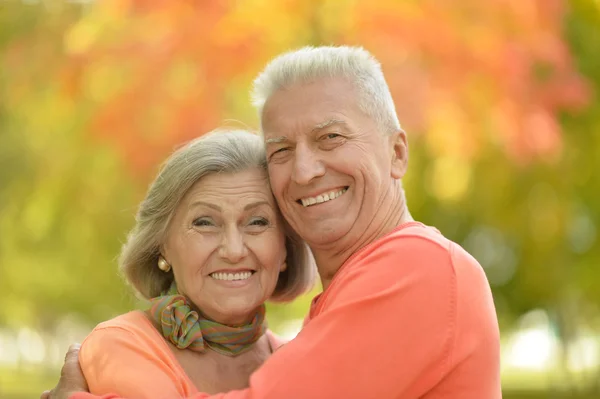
pixel 231 276
pixel 322 198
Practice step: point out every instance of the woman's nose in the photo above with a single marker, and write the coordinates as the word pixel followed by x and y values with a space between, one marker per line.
pixel 233 248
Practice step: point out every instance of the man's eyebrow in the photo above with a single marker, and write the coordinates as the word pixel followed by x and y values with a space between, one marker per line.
pixel 276 140
pixel 328 123
pixel 319 126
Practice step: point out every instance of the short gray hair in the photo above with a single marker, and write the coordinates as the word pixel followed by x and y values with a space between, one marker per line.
pixel 221 151
pixel 355 64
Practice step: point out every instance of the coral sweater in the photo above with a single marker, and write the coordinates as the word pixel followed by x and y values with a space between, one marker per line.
pixel 408 316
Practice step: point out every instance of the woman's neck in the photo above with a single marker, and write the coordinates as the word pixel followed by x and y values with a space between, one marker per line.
pixel 213 372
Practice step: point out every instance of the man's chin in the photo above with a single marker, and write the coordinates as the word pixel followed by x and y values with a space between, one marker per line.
pixel 321 234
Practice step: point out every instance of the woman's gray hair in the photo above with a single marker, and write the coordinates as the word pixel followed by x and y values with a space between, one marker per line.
pixel 221 151
pixel 354 64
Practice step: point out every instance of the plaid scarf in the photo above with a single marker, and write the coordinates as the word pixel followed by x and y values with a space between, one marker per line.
pixel 185 328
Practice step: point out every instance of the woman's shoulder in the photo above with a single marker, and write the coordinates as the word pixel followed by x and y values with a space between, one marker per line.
pixel 130 321
pixel 126 355
pixel 132 328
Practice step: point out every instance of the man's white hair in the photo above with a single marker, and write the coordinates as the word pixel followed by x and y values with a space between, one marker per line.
pixel 308 64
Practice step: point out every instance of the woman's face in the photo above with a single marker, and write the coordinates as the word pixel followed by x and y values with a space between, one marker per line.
pixel 226 245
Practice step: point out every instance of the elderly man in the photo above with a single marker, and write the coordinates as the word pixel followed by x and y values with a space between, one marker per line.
pixel 405 313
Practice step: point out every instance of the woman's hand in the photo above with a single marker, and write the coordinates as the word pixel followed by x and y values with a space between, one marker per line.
pixel 71 377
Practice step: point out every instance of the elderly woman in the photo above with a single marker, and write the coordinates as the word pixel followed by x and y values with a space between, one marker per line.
pixel 208 249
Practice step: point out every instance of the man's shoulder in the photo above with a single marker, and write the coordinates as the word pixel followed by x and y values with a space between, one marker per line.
pixel 412 258
pixel 413 244
pixel 419 231
pixel 409 237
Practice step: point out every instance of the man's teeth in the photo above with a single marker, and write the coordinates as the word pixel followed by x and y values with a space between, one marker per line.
pixel 231 276
pixel 322 198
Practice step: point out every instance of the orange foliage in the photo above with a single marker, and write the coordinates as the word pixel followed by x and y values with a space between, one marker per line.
pixel 167 64
pixel 500 67
pixel 482 72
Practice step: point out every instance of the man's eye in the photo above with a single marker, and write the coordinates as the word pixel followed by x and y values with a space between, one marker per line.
pixel 330 136
pixel 279 154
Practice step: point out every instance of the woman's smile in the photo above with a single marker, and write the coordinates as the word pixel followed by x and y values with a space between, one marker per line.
pixel 233 278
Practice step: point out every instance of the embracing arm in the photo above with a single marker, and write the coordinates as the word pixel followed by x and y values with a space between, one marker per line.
pixel 388 329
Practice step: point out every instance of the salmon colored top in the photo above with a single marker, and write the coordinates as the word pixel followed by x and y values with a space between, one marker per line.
pixel 129 357
pixel 408 316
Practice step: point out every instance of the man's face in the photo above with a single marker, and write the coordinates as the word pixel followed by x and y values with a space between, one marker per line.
pixel 329 165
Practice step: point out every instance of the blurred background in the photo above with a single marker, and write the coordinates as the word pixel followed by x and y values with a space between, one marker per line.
pixel 499 98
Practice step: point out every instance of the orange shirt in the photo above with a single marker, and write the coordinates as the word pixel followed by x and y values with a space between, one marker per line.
pixel 409 316
pixel 129 357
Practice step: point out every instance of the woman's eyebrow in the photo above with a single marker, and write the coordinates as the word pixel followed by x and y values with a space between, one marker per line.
pixel 207 204
pixel 255 205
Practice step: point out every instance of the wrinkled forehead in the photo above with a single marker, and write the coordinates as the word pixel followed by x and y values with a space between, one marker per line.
pixel 231 186
pixel 305 107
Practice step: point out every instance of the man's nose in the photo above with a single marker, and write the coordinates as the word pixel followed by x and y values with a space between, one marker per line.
pixel 307 165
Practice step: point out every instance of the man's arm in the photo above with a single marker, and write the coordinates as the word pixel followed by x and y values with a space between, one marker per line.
pixel 71 377
pixel 387 330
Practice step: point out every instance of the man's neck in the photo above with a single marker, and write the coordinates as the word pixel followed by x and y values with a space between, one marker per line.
pixel 390 214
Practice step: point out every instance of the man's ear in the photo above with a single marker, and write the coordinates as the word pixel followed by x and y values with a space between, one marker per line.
pixel 399 148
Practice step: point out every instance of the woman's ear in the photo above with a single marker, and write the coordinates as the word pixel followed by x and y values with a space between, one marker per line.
pixel 399 148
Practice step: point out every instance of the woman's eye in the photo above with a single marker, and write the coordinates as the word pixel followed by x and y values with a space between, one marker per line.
pixel 259 222
pixel 201 222
pixel 332 135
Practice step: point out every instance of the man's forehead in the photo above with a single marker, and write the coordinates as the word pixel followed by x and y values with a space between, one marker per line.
pixel 327 122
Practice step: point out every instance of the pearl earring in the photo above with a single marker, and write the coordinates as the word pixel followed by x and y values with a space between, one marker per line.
pixel 163 265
